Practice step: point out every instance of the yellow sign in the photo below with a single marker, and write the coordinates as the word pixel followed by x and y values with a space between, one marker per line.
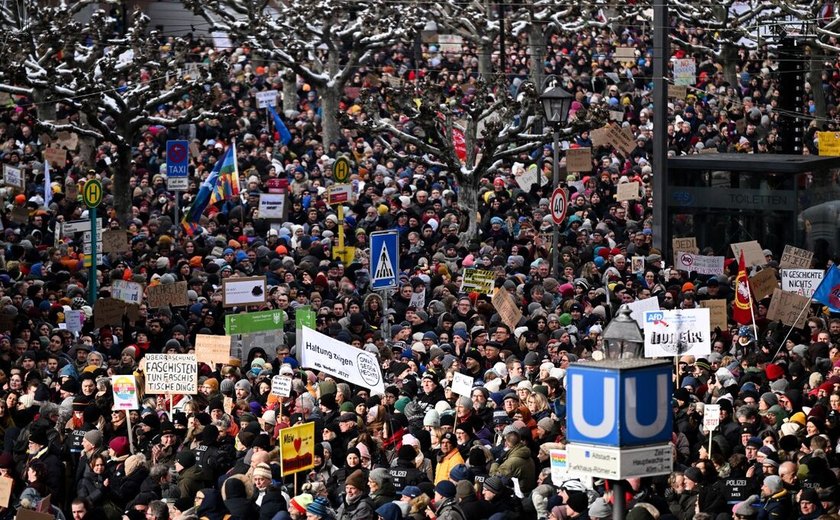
pixel 92 193
pixel 345 254
pixel 341 169
pixel 297 448
pixel 829 143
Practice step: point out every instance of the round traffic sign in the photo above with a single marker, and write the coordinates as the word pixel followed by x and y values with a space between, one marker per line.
pixel 558 205
pixel 92 193
pixel 176 153
pixel 341 169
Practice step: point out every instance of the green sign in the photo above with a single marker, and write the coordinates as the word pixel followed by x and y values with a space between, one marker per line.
pixel 341 169
pixel 263 321
pixel 305 317
pixel 92 193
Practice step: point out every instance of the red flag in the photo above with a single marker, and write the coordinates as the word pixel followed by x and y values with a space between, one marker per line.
pixel 742 306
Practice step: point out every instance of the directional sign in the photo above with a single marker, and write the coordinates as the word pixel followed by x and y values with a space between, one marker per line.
pixel 341 169
pixel 558 205
pixel 92 193
pixel 77 226
pixel 384 259
pixel 177 164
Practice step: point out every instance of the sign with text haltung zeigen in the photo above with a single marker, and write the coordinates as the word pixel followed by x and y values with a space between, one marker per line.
pixel 633 399
pixel 340 360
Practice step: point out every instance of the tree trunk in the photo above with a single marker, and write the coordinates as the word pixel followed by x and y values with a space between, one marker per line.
pixel 815 67
pixel 329 118
pixel 536 49
pixel 120 185
pixel 485 58
pixel 468 199
pixel 290 97
pixel 46 109
pixel 729 57
pixel 87 145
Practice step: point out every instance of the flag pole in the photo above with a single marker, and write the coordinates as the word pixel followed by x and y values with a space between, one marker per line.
pixel 752 315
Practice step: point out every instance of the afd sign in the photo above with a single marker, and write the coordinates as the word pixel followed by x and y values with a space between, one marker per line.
pixel 619 403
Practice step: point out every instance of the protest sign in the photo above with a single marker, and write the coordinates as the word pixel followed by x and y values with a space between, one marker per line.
pixel 281 386
pixel 637 264
pixel 161 295
pixel 684 72
pixel 717 313
pixel 599 137
pixel 624 54
pixel 829 143
pixel 711 417
pixel 19 215
pixel 480 280
pixel 627 191
pixel 243 291
pixel 677 91
pixel 55 156
pixel 462 384
pixel 525 178
pixel 30 514
pixel 787 307
pixel 272 205
pixel 579 159
pixel 802 281
pixel 251 322
pixel 297 448
pixel 340 360
pixel 677 333
pixel 638 308
pixel 700 264
pixel 795 258
pixel 685 244
pixel 752 252
pixel 212 349
pixel 129 292
pixel 418 300
pixel 171 374
pixel 13 176
pixel 73 320
pixel 621 138
pixel 115 241
pixel 507 309
pixel 6 484
pixel 108 311
pixel 763 283
pixel 559 469
pixel 125 392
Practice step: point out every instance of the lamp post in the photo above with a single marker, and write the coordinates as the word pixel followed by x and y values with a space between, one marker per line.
pixel 556 104
pixel 623 331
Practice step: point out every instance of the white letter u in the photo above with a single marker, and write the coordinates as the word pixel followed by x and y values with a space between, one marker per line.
pixel 607 425
pixel 631 408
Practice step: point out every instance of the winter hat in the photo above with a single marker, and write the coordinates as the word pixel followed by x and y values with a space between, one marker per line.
pixel 380 476
pixel 578 502
pixel 357 480
pixel 693 474
pixel 243 384
pixel 262 470
pixel 94 437
pixel 494 484
pixel 119 445
pixel 746 508
pixel 464 489
pixel 213 384
pixel 769 399
pixel 600 509
pixel 319 507
pixel 547 424
pixel 446 489
pixel 134 462
pixel 226 387
pixel 460 472
pixel 432 418
pixel 186 459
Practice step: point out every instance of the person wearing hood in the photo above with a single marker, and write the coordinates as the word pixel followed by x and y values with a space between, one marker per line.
pixel 389 511
pixel 191 478
pixel 381 487
pixel 517 461
pixel 209 505
pixel 237 499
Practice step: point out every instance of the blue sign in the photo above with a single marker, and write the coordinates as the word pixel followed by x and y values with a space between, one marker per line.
pixel 619 406
pixel 177 158
pixel 384 259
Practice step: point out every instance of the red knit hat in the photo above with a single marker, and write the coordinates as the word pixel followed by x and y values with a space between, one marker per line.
pixel 774 372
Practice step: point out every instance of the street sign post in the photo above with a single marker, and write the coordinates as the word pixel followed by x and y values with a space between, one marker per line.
pixel 558 205
pixel 177 165
pixel 384 268
pixel 341 169
pixel 92 197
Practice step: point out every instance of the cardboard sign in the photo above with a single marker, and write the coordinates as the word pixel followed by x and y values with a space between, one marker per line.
pixel 624 54
pixel 108 311
pixel 174 294
pixel 677 333
pixel 29 514
pixel 507 309
pixel 297 448
pixel 616 115
pixel 69 140
pixel 621 139
pixel 13 176
pixel 6 484
pixel 481 280
pixel 752 252
pixel 462 384
pixel 763 283
pixel 795 258
pixel 55 156
pixel 677 91
pixel 627 191
pixel 212 349
pixel 579 159
pixel 171 374
pixel 115 241
pixel 129 292
pixel 687 244
pixel 803 282
pixel 599 137
pixel 717 313
pixel 19 215
pixel 244 291
pixel 786 307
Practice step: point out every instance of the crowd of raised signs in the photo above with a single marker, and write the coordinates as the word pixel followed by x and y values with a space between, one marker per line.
pixel 418 450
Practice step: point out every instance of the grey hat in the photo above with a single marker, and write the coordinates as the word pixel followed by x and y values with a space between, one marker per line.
pixel 432 419
pixel 600 509
pixel 380 476
pixel 94 437
pixel 773 483
pixel 510 429
pixel 465 401
pixel 243 384
pixel 746 508
pixel 769 398
pixel 779 386
pixel 226 386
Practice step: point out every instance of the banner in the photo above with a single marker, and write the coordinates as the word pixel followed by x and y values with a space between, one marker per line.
pixel 480 280
pixel 803 282
pixel 252 322
pixel 340 360
pixel 700 264
pixel 297 448
pixel 243 291
pixel 125 393
pixel 171 374
pixel 677 333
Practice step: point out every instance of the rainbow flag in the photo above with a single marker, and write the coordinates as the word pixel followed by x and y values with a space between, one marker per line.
pixel 228 186
pixel 206 192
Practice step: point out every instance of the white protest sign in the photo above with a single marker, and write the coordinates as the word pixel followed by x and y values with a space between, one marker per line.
pixel 677 332
pixel 684 72
pixel 711 416
pixel 418 300
pixel 281 386
pixel 129 292
pixel 527 177
pixel 462 384
pixel 171 374
pixel 340 360
pixel 12 176
pixel 802 281
pixel 125 392
pixel 272 205
pixel 73 320
pixel 266 98
pixel 700 264
pixel 639 307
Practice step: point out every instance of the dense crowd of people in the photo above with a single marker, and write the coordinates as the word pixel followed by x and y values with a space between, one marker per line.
pixel 419 450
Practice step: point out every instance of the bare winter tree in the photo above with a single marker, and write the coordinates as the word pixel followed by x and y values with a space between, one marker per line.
pixel 323 42
pixel 119 84
pixel 475 21
pixel 496 127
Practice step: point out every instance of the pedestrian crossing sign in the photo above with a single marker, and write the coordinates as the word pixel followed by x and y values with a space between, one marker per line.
pixel 384 259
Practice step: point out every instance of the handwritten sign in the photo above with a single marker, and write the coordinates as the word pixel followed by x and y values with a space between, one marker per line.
pixel 795 258
pixel 526 178
pixel 55 156
pixel 627 191
pixel 13 176
pixel 579 159
pixel 685 71
pixel 73 320
pixel 763 283
pixel 803 282
pixel 6 484
pixel 700 264
pixel 677 91
pixel 787 307
pixel 129 292
pixel 829 143
pixel 272 205
pixel 108 311
pixel 717 313
pixel 621 139
pixel 212 349
pixel 507 309
pixel 171 374
pixel 462 384
pixel 599 137
pixel 624 54
pixel 115 241
pixel 752 252
pixel 174 294
pixel 687 244
pixel 281 386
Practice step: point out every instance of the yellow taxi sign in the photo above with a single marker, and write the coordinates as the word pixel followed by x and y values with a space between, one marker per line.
pixel 92 193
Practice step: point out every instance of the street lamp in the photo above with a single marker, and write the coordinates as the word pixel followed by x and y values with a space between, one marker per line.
pixel 623 331
pixel 556 104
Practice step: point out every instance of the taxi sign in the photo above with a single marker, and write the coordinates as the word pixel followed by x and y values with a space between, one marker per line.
pixel 92 193
pixel 341 169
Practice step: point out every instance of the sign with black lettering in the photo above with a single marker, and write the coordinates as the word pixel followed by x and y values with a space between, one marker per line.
pixel 171 374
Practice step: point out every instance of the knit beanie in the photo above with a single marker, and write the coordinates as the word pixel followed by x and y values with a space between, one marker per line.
pixel 300 502
pixel 213 384
pixel 380 476
pixel 432 419
pixel 94 437
pixel 262 470
pixel 357 480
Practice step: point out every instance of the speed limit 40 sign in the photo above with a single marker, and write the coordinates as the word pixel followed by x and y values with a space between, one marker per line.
pixel 558 205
